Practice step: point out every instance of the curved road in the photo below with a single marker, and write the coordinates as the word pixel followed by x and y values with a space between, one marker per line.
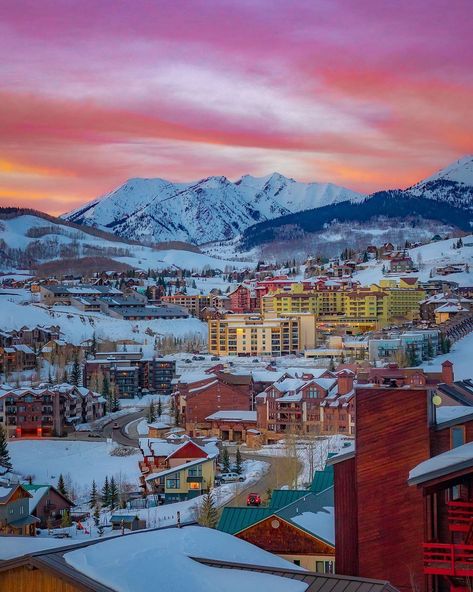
pixel 119 435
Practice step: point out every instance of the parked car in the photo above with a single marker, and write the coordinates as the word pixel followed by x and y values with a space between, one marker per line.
pixel 231 477
pixel 253 499
pixel 93 435
pixel 214 358
pixel 116 426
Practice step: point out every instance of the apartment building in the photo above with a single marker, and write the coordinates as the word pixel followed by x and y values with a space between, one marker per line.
pixel 252 335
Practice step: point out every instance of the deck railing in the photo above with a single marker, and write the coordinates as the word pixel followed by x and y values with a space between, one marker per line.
pixel 448 560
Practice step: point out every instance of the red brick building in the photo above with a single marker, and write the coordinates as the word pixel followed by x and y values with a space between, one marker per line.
pixel 201 395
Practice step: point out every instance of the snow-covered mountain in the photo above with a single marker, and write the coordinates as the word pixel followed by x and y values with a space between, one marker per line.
pixel 212 209
pixel 453 184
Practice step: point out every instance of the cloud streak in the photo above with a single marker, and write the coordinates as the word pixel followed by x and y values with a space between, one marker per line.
pixel 365 93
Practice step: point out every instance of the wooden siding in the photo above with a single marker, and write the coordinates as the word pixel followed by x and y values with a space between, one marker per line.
pixel 23 578
pixel 390 513
pixel 346 523
pixel 285 539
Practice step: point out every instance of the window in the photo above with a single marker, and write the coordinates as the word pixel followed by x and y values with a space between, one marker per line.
pixel 457 436
pixel 173 483
pixel 324 567
pixel 297 562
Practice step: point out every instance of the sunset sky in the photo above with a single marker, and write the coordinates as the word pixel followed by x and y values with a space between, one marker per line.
pixel 365 93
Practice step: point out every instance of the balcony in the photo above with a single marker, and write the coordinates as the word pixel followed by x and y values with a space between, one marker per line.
pixel 460 516
pixel 448 560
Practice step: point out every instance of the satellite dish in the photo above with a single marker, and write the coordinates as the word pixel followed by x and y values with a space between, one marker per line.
pixel 437 400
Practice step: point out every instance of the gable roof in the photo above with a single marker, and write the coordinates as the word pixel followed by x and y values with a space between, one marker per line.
pixel 236 520
pixel 283 497
pixel 7 492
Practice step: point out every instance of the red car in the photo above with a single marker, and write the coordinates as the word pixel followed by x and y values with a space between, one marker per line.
pixel 253 499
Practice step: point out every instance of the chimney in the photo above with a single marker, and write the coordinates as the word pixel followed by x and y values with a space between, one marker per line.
pixel 345 382
pixel 447 372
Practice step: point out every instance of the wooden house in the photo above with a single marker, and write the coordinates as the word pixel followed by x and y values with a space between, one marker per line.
pixel 15 517
pixel 296 525
pixel 396 516
pixel 48 504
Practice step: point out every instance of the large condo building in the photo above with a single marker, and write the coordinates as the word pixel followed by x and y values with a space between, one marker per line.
pixel 249 334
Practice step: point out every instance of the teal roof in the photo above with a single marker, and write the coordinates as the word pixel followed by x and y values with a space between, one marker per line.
pixel 234 520
pixel 283 497
pixel 34 487
pixel 322 480
pixel 125 518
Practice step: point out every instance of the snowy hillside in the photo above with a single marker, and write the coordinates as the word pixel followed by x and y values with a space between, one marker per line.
pixel 18 309
pixel 28 239
pixel 428 258
pixel 453 184
pixel 212 209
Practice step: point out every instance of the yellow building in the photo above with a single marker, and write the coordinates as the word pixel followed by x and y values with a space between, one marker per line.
pixel 247 334
pixel 359 308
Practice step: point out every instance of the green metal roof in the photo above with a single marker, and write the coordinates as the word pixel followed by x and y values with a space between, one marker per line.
pixel 34 487
pixel 322 480
pixel 234 520
pixel 283 497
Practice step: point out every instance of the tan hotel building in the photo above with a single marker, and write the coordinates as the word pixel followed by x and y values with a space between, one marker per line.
pixel 252 335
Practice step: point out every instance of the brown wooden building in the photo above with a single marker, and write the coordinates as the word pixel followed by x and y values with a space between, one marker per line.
pixel 382 523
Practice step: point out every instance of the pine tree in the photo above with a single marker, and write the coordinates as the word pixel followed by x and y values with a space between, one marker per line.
pixel 159 411
pixel 5 460
pixel 93 344
pixel 106 392
pixel 238 462
pixel 176 414
pixel 113 494
pixel 61 487
pixel 65 376
pixel 96 515
pixel 114 401
pixel 208 513
pixel 151 413
pixel 331 365
pixel 430 349
pixel 106 493
pixel 225 460
pixel 75 372
pixel 94 496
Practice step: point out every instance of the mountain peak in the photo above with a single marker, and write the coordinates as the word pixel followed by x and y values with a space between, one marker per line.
pixel 460 171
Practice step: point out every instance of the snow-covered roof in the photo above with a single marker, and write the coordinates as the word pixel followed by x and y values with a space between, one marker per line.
pixel 448 413
pixel 321 523
pixel 197 376
pixel 234 415
pixel 132 562
pixel 177 469
pixel 457 459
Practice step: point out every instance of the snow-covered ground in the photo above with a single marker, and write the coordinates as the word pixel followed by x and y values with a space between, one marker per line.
pixel 78 326
pixel 461 355
pixel 79 462
pixel 427 258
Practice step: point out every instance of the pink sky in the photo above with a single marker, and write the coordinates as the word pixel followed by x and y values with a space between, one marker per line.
pixel 364 93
